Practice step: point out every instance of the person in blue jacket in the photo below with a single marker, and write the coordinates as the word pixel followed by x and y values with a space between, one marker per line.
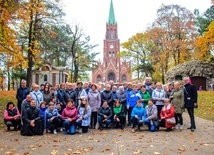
pixel 138 115
pixel 51 119
pixel 132 98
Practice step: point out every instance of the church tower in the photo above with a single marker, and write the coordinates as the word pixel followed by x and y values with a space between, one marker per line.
pixel 111 68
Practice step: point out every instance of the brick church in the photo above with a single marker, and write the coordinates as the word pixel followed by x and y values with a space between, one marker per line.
pixel 112 68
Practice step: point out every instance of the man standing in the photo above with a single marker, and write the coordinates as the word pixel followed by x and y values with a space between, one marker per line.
pixel 69 93
pixel 21 94
pixel 190 98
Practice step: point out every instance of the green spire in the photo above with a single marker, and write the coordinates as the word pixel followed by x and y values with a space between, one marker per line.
pixel 111 18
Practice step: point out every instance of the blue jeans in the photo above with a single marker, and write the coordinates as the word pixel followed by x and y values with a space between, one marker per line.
pixel 100 121
pixel 69 126
pixel 152 127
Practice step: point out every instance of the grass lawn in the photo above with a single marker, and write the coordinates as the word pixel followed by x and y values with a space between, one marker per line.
pixel 205 101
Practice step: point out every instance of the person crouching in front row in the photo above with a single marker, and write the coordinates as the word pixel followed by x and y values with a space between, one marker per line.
pixel 138 115
pixel 69 115
pixel 152 116
pixel 119 115
pixel 12 117
pixel 84 116
pixel 104 115
pixel 32 122
pixel 52 119
pixel 167 115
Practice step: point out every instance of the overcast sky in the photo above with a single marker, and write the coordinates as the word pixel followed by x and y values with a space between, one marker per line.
pixel 132 16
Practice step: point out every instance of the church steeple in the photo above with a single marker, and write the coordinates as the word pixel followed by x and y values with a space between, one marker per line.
pixel 111 18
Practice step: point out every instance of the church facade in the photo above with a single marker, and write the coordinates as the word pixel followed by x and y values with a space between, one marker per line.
pixel 111 68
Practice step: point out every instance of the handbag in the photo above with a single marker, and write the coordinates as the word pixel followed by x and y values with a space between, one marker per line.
pixel 171 120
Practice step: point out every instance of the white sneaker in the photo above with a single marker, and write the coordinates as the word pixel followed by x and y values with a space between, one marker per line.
pixel 176 127
pixel 54 131
pixel 181 127
pixel 80 130
pixel 61 129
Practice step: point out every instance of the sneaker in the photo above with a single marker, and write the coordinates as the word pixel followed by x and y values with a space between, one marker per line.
pixel 80 130
pixel 48 131
pixel 54 131
pixel 176 127
pixel 61 129
pixel 181 127
pixel 133 130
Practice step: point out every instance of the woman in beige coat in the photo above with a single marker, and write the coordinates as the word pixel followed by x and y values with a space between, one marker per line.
pixel 177 100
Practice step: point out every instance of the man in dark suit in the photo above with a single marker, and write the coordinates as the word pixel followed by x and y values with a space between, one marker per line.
pixel 190 98
pixel 21 94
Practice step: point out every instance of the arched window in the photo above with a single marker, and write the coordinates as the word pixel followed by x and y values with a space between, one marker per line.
pixel 124 78
pixel 45 77
pixel 98 78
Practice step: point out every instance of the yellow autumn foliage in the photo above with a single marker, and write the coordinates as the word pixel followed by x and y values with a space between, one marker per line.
pixel 205 44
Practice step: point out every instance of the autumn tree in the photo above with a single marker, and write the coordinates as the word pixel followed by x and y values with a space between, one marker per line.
pixel 204 50
pixel 10 51
pixel 37 18
pixel 172 35
pixel 203 21
pixel 80 52
pixel 136 49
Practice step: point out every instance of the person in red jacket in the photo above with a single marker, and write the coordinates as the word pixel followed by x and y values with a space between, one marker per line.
pixel 167 115
pixel 69 115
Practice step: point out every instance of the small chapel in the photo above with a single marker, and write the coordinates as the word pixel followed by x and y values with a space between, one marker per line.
pixel 112 67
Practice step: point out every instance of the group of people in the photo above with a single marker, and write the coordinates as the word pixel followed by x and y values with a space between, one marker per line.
pixel 72 108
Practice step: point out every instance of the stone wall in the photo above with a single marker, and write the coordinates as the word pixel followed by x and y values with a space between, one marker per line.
pixel 192 69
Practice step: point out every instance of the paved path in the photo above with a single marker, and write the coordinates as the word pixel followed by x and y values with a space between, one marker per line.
pixel 114 142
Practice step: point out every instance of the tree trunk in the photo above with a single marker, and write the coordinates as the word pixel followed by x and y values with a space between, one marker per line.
pixel 76 70
pixel 8 76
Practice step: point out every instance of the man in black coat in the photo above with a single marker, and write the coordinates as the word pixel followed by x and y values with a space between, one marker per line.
pixel 69 93
pixel 32 122
pixel 106 95
pixel 21 94
pixel 190 99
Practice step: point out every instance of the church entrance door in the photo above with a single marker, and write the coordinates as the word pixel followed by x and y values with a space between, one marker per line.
pixel 111 76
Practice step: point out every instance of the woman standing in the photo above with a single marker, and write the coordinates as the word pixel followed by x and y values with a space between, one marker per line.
pixel 69 115
pixel 84 114
pixel 177 100
pixel 47 96
pixel 145 95
pixel 12 116
pixel 36 95
pixel 94 101
pixel 158 95
pixel 167 115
